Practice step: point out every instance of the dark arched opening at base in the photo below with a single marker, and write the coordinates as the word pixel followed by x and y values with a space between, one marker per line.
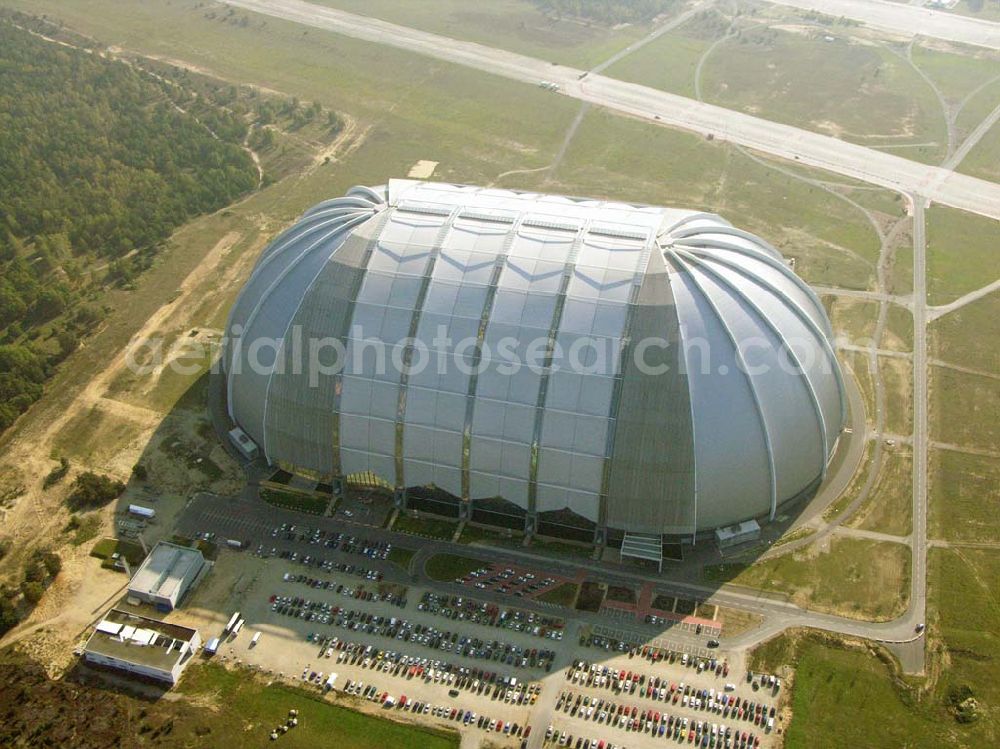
pixel 566 525
pixel 497 511
pixel 433 499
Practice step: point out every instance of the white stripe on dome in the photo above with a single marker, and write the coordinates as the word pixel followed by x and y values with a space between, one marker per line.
pixel 814 399
pixel 738 353
pixel 807 320
pixel 418 309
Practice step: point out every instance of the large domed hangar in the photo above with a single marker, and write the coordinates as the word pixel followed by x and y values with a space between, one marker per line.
pixel 578 367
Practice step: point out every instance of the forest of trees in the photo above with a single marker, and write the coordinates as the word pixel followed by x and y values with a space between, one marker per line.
pixel 99 163
pixel 606 11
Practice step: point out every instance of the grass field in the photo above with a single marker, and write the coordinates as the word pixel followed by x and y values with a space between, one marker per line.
pixel 292 500
pixel 964 408
pixel 961 253
pixel 857 578
pixel 852 89
pixel 447 567
pixel 898 333
pixel 889 507
pixel 967 618
pixel 846 698
pixel 963 492
pixel 225 708
pixel 516 25
pixel 670 62
pixel 958 337
pixel 853 320
pixel 856 91
pixel 561 595
pixel 402 557
pixel 897 382
pixel 425 526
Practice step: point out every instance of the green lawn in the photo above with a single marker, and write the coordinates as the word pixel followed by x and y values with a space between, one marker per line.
pixel 245 711
pixel 852 577
pixel 961 253
pixel 669 63
pixel 850 89
pixel 852 319
pixel 898 333
pixel 897 384
pixel 447 567
pixel 963 494
pixel 561 595
pixel 401 556
pixel 964 408
pixel 846 698
pixel 958 337
pixel 425 526
pixel 963 605
pixel 292 500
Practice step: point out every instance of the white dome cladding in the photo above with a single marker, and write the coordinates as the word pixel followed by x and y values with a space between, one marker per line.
pixel 719 396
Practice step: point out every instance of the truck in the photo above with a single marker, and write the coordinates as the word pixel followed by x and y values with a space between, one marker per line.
pixel 232 623
pixel 255 640
pixel 212 646
pixel 143 512
pixel 331 682
pixel 233 543
pixel 236 628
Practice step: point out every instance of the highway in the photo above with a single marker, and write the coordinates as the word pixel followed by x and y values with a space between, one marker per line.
pixel 875 167
pixel 908 20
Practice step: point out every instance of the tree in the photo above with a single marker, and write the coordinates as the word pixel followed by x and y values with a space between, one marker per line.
pixel 32 591
pixel 91 490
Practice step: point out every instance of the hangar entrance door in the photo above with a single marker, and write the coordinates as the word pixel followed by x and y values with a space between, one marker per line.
pixel 643 546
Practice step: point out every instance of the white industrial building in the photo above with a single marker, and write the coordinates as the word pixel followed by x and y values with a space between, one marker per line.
pixel 736 410
pixel 166 575
pixel 141 646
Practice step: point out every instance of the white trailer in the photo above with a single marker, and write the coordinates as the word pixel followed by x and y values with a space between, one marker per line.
pixel 255 640
pixel 237 628
pixel 143 512
pixel 232 623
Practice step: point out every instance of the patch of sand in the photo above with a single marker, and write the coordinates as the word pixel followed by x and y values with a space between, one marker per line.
pixel 422 169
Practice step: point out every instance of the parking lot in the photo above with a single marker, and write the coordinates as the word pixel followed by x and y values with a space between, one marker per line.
pixel 481 660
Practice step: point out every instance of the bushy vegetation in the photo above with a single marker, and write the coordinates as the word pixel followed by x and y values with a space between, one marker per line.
pixel 91 490
pixel 16 602
pixel 606 11
pixel 57 474
pixel 99 163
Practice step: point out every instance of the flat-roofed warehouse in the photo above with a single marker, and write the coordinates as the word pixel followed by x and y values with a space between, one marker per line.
pixel 718 397
pixel 166 575
pixel 141 646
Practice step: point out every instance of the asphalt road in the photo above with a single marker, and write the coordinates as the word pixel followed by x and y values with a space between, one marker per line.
pixel 909 20
pixel 918 565
pixel 875 167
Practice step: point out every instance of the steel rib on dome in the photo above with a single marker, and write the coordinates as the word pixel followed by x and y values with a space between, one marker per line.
pixel 485 262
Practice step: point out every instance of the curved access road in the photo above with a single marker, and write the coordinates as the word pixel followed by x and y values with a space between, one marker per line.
pixel 875 167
